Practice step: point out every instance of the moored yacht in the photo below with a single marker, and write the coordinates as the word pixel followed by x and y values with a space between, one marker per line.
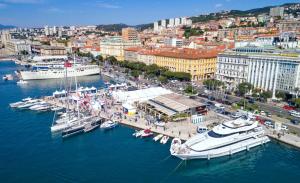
pixel 225 139
pixel 55 73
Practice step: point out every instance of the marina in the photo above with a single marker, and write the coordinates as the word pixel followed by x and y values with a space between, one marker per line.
pixel 108 141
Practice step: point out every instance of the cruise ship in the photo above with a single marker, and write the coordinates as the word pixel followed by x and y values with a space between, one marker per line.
pixel 225 139
pixel 39 73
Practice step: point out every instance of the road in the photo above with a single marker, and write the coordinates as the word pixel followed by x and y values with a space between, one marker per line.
pixel 178 87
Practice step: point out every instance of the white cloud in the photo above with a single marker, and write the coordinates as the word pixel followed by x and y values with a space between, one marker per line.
pixel 107 5
pixel 219 5
pixel 2 5
pixel 23 1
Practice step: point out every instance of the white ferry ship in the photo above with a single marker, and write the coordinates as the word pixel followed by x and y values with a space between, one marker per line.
pixel 225 139
pixel 55 73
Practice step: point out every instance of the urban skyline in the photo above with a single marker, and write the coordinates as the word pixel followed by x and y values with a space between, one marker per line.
pixel 37 13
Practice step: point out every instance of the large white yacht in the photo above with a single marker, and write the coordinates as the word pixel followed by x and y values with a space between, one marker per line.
pixel 225 139
pixel 55 73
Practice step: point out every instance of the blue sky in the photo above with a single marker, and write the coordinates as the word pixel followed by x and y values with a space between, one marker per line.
pixel 34 13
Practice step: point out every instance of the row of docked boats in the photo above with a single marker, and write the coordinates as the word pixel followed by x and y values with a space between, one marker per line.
pixel 34 105
pixel 78 125
pixel 148 133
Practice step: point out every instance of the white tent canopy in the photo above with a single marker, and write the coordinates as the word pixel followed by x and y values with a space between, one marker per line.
pixel 139 95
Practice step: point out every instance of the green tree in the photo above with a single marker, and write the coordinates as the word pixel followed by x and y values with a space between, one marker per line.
pixel 189 90
pixel 213 84
pixel 99 58
pixel 163 79
pixel 24 52
pixel 280 94
pixel 297 102
pixel 243 88
pixel 135 73
pixel 112 60
pixel 266 94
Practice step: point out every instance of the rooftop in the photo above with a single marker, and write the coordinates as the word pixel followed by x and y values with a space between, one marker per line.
pixel 171 104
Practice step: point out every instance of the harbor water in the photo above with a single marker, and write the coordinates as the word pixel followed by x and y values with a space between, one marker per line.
pixel 30 153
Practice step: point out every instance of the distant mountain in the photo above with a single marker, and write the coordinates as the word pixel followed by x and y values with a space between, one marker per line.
pixel 120 26
pixel 6 26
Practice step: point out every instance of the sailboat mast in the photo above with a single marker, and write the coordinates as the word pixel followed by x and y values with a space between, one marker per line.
pixel 67 91
pixel 76 86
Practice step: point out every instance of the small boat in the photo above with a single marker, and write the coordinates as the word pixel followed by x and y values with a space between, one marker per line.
pixel 7 77
pixel 164 140
pixel 137 133
pixel 157 137
pixel 159 123
pixel 146 133
pixel 21 82
pixel 108 125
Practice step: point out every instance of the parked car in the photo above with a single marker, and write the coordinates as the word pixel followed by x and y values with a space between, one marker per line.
pixel 295 122
pixel 288 107
pixel 284 128
pixel 269 124
pixel 262 113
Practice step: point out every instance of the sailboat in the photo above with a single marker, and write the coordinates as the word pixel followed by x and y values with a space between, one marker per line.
pixel 70 120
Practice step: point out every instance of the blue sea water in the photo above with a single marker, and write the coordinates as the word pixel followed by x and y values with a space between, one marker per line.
pixel 29 153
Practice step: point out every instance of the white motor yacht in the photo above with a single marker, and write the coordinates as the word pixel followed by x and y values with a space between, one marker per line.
pixel 28 104
pixel 225 139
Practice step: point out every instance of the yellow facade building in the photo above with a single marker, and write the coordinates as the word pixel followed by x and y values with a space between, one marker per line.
pixel 199 63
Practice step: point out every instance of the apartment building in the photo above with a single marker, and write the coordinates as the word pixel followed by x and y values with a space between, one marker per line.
pixel 269 71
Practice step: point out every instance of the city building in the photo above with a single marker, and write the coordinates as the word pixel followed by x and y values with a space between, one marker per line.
pixel 52 50
pixel 129 34
pixel 115 45
pixel 277 12
pixel 155 27
pixel 173 42
pixel 289 26
pixel 171 22
pixel 266 70
pixel 15 46
pixel 163 23
pixel 177 22
pixel 5 37
pixel 201 64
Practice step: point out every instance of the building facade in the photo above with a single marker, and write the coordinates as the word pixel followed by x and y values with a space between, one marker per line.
pixel 15 46
pixel 115 46
pixel 201 65
pixel 53 50
pixel 129 34
pixel 269 72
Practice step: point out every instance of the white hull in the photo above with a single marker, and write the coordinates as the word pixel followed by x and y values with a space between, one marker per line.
pixel 60 73
pixel 224 151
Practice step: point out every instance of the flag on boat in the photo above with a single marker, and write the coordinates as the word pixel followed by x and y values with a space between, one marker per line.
pixel 67 64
